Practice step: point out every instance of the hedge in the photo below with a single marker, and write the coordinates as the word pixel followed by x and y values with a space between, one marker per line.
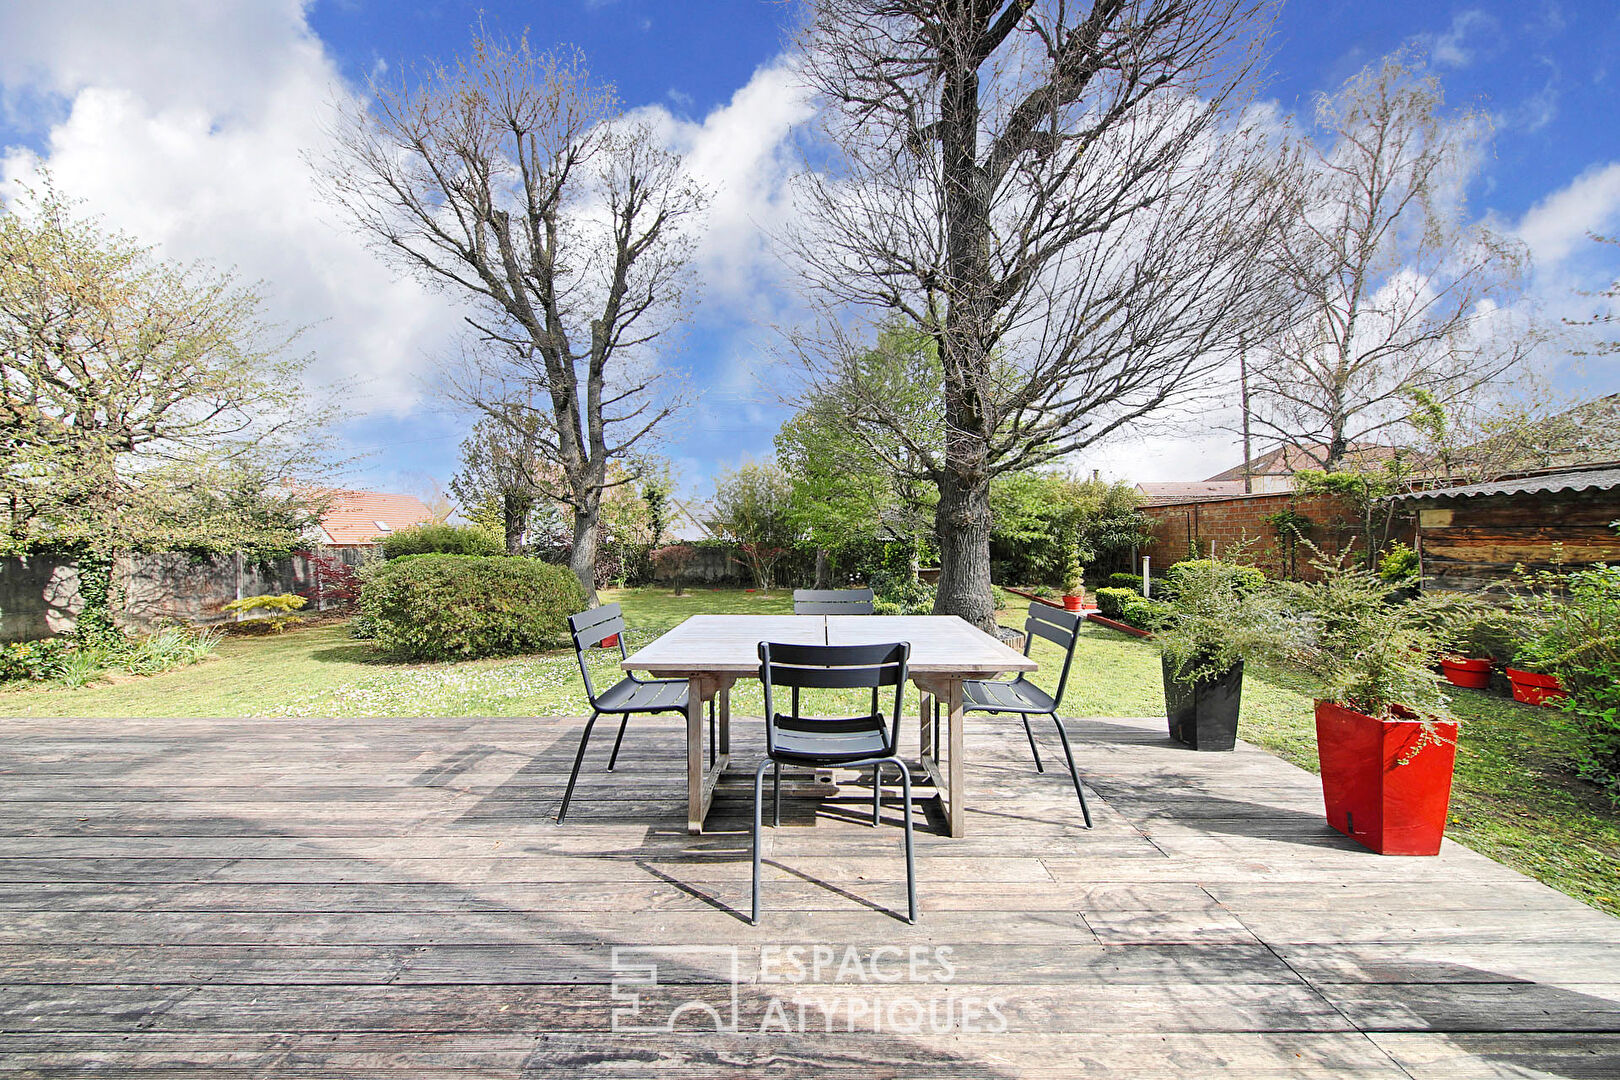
pixel 1133 582
pixel 453 607
pixel 435 539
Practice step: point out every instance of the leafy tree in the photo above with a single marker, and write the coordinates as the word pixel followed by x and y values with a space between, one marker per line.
pixel 510 179
pixel 753 503
pixel 145 406
pixel 502 475
pixel 1049 192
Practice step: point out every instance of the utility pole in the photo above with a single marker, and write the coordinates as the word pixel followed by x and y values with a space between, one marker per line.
pixel 1243 389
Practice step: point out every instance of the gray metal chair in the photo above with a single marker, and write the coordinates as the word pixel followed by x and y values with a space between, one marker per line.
pixel 1023 698
pixel 624 698
pixel 821 743
pixel 832 601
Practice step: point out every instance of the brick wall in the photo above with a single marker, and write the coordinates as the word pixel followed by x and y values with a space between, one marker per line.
pixel 1229 521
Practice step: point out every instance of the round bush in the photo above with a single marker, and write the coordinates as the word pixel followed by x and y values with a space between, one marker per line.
pixel 454 607
pixel 431 539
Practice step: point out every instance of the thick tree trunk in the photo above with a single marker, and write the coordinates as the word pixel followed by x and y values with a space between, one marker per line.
pixel 823 570
pixel 582 557
pixel 515 518
pixel 962 523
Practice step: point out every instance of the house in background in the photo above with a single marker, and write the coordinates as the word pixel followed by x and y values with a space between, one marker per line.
pixel 1268 474
pixel 363 518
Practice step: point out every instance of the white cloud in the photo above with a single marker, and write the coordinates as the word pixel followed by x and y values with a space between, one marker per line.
pixel 1557 225
pixel 742 152
pixel 1473 35
pixel 183 124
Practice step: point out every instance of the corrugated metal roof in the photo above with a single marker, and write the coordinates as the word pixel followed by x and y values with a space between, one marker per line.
pixel 1581 480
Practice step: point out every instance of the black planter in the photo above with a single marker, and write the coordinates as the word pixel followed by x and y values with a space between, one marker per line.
pixel 1204 715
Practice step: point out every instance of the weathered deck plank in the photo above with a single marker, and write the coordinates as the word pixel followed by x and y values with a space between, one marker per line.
pixel 305 897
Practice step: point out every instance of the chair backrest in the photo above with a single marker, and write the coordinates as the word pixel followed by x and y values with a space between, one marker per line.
pixel 834 667
pixel 590 629
pixel 1061 628
pixel 832 601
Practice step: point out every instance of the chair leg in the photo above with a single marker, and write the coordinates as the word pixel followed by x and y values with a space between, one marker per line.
pixel 1074 774
pixel 1031 733
pixel 759 812
pixel 911 853
pixel 568 792
pixel 613 758
pixel 776 796
pixel 877 792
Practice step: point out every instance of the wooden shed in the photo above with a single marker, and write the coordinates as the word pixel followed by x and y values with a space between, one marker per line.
pixel 1472 536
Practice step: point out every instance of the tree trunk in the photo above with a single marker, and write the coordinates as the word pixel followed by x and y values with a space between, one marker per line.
pixel 515 509
pixel 963 526
pixel 582 556
pixel 823 569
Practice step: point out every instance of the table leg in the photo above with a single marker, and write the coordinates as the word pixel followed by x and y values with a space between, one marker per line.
pixel 945 770
pixel 725 719
pixel 700 782
pixel 925 725
pixel 956 804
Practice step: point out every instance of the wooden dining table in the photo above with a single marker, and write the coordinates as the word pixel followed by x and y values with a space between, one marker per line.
pixel 713 651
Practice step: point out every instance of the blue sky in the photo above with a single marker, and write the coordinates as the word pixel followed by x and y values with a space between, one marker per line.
pixel 184 122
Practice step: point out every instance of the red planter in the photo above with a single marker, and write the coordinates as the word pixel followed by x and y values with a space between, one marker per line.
pixel 1534 689
pixel 1074 603
pixel 609 642
pixel 1112 624
pixel 1374 798
pixel 1467 673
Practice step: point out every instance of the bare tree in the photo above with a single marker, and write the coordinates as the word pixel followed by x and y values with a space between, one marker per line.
pixel 508 178
pixel 1396 294
pixel 1052 193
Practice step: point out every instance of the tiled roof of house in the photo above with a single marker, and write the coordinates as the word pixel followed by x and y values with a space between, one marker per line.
pixel 1288 460
pixel 364 517
pixel 1154 494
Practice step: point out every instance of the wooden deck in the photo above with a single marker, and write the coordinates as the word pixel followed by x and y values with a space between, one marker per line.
pixel 341 898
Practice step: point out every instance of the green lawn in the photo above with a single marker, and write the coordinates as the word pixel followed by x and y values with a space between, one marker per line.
pixel 1511 799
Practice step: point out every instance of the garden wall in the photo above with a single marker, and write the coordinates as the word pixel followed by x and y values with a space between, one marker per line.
pixel 39 594
pixel 1184 527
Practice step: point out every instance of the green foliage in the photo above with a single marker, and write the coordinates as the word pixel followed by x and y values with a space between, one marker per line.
pixel 1200 572
pixel 95 627
pixel 1399 564
pixel 1132 582
pixel 169 648
pixel 68 662
pixel 1371 655
pixel 272 614
pixel 754 504
pixel 431 538
pixel 33 661
pixel 451 607
pixel 146 405
pixel 1578 640
pixel 898 593
pixel 1038 518
pixel 1142 613
pixel 1218 613
pixel 1073 581
pixel 1111 601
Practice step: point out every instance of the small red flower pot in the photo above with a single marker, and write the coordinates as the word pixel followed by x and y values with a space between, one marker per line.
pixel 1466 672
pixel 1384 784
pixel 1534 689
pixel 609 642
pixel 1074 603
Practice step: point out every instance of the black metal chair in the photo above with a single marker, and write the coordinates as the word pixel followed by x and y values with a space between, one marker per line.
pixel 628 696
pixel 1023 698
pixel 821 743
pixel 832 601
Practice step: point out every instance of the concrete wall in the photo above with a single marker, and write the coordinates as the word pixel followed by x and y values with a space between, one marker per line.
pixel 39 595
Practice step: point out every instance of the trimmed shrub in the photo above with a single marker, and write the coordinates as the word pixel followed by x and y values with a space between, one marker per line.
pixel 1142 613
pixel 899 594
pixel 1133 582
pixel 1111 602
pixel 455 607
pixel 432 539
pixel 1244 578
pixel 265 614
